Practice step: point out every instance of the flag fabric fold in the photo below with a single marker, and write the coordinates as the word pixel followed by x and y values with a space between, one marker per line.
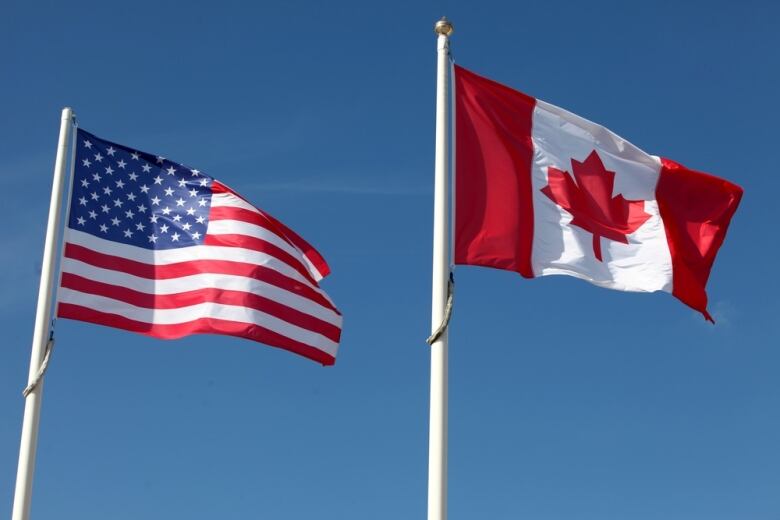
pixel 542 191
pixel 158 248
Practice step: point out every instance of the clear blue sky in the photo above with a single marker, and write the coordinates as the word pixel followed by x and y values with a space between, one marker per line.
pixel 566 402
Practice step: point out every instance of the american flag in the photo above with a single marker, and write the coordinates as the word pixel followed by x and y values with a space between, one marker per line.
pixel 158 248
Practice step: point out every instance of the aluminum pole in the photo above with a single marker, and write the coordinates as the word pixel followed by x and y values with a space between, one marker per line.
pixel 32 403
pixel 437 442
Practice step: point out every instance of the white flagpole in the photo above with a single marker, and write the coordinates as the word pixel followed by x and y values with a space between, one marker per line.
pixel 32 403
pixel 437 442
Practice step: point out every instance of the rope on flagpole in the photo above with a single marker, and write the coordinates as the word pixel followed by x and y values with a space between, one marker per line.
pixel 44 365
pixel 447 312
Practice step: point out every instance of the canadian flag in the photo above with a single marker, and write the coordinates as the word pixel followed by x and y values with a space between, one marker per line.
pixel 542 191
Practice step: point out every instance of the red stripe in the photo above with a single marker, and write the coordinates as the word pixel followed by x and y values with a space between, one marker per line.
pixel 245 215
pixel 267 221
pixel 494 215
pixel 696 209
pixel 308 250
pixel 184 299
pixel 218 187
pixel 199 326
pixel 193 267
pixel 261 246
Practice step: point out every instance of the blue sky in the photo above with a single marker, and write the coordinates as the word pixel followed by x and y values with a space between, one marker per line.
pixel 566 400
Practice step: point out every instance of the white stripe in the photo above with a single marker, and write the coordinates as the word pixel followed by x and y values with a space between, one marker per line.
pixel 239 227
pixel 201 281
pixel 185 254
pixel 232 201
pixel 313 271
pixel 203 310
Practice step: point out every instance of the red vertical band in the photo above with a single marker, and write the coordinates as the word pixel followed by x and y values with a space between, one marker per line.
pixel 494 220
pixel 696 209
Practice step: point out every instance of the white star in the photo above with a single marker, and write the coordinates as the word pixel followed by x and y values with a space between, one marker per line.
pixel 105 208
pixel 160 159
pixel 190 211
pixel 110 151
pixel 98 157
pixel 176 218
pixel 153 238
pixel 182 183
pixel 193 192
pixel 134 155
pixel 129 214
pixel 96 177
pixel 94 195
pixel 128 233
pixel 103 228
pixel 195 173
pixel 155 201
pixel 158 180
pixel 164 228
pixel 121 163
pixel 202 202
pixel 186 226
pixel 142 209
pixel 144 189
pixel 196 235
pixel 146 168
pixel 166 210
pixel 86 163
pixel 87 144
pixel 118 203
pixel 180 202
pixel 171 170
pixel 120 184
pixel 175 237
pixel 83 201
pixel 133 176
pixel 107 190
pixel 81 221
pixel 153 219
pixel 85 183
pixel 169 192
pixel 109 170
pixel 115 221
pixel 200 219
pixel 92 215
pixel 131 196
pixel 140 226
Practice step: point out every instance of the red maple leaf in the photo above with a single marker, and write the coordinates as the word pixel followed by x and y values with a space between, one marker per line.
pixel 591 203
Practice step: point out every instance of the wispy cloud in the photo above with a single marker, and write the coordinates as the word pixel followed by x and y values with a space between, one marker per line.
pixel 325 184
pixel 21 260
pixel 28 176
pixel 27 170
pixel 723 312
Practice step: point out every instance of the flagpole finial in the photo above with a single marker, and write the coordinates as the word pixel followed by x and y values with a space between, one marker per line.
pixel 443 27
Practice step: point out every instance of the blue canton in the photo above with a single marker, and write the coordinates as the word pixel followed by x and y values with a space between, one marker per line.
pixel 136 198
